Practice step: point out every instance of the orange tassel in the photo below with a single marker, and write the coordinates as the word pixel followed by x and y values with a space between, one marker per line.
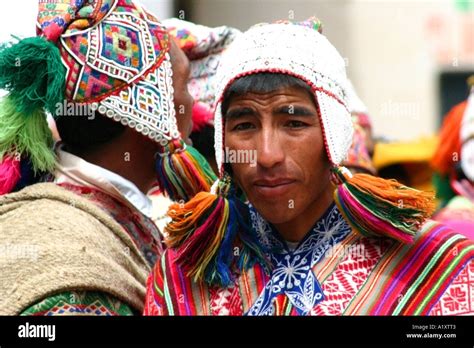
pixel 394 193
pixel 185 217
pixel 376 206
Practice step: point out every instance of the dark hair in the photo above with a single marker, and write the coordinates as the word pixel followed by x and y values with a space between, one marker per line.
pixel 262 83
pixel 82 134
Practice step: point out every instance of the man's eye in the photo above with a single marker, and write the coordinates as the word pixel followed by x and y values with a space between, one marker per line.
pixel 243 126
pixel 296 124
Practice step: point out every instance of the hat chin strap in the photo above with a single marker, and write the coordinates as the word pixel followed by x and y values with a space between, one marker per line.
pixel 212 237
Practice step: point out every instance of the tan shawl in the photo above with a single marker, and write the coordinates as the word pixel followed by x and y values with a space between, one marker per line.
pixel 52 240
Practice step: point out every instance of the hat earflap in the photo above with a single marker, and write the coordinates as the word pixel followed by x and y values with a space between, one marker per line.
pixel 377 206
pixel 212 236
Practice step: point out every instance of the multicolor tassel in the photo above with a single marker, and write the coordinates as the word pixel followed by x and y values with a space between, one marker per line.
pixel 182 171
pixel 376 206
pixel 211 236
pixel 9 174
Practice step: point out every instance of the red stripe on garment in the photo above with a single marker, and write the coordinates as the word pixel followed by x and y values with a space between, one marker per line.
pixel 170 269
pixel 428 256
pixel 440 269
pixel 188 303
pixel 261 279
pixel 413 261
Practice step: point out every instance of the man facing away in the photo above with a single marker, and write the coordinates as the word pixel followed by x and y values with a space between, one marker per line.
pixel 82 241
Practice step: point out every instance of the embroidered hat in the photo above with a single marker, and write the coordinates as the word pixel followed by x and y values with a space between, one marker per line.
pixel 204 46
pixel 111 56
pixel 358 156
pixel 116 58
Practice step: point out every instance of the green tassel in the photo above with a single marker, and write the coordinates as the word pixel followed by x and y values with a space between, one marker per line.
pixel 32 71
pixel 26 134
pixel 203 164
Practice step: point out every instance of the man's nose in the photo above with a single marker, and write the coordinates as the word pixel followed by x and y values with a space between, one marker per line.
pixel 269 149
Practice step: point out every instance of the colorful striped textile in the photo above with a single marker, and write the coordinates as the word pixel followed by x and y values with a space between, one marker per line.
pixel 91 303
pixel 358 276
pixel 419 274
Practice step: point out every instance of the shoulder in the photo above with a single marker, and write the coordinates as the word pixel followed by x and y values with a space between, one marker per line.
pixel 56 240
pixel 47 215
pixel 416 275
pixel 436 248
pixel 47 208
pixel 441 237
pixel 170 291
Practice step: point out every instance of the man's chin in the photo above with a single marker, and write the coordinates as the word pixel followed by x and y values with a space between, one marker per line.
pixel 274 213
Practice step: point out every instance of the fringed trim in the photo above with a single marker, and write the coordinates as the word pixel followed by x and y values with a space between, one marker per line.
pixel 32 71
pixel 376 206
pixel 212 238
pixel 26 135
pixel 182 171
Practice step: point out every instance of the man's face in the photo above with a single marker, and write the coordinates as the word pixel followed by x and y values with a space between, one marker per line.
pixel 292 169
pixel 183 101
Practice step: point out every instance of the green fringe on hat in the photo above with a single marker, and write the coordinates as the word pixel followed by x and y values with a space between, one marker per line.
pixel 26 134
pixel 32 71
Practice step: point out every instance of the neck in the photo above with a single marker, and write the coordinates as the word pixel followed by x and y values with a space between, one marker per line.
pixel 130 157
pixel 296 229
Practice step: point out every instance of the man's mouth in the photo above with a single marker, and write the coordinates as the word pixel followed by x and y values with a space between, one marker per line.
pixel 272 188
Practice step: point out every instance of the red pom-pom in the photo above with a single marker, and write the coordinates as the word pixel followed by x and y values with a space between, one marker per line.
pixel 9 174
pixel 202 116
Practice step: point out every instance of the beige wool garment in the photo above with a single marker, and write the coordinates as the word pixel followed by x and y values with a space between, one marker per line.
pixel 52 240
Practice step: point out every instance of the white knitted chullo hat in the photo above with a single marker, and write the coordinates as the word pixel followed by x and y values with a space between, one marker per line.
pixel 355 104
pixel 297 50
